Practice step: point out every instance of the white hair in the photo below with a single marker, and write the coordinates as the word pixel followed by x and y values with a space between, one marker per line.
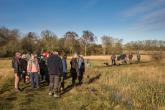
pixel 75 55
pixel 55 53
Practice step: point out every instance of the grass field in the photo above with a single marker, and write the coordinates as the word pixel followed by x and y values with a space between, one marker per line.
pixel 126 87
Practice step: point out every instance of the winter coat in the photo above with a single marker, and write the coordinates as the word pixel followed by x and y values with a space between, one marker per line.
pixel 54 63
pixel 16 65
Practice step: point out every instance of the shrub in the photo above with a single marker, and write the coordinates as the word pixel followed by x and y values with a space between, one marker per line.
pixel 157 56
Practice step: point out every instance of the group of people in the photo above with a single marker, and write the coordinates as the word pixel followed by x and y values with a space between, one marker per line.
pixel 51 67
pixel 124 58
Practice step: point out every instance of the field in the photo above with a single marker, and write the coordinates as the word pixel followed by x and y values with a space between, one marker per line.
pixel 125 87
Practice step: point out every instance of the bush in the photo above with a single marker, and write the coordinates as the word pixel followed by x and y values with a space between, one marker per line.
pixel 157 56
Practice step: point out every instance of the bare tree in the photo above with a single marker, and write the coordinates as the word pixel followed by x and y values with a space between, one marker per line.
pixel 70 41
pixel 147 45
pixel 49 40
pixel 87 38
pixel 7 35
pixel 118 46
pixel 107 43
pixel 29 42
pixel 9 41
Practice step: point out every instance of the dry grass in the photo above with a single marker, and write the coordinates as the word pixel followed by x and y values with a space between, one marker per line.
pixel 125 87
pixel 6 72
pixel 108 57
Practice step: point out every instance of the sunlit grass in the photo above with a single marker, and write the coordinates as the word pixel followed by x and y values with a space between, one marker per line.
pixel 125 87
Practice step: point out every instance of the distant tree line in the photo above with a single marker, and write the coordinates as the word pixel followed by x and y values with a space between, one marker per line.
pixel 147 45
pixel 12 40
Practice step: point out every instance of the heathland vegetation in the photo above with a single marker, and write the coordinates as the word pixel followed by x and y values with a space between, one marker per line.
pixel 126 87
pixel 12 40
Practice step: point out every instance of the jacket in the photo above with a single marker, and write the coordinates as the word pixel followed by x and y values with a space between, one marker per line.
pixel 23 64
pixel 81 65
pixel 33 66
pixel 55 66
pixel 64 66
pixel 16 65
pixel 74 65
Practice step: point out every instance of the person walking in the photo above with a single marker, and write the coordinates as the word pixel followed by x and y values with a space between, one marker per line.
pixel 64 65
pixel 33 70
pixel 74 68
pixel 130 56
pixel 138 57
pixel 17 70
pixel 124 58
pixel 113 58
pixel 55 70
pixel 23 62
pixel 43 66
pixel 81 67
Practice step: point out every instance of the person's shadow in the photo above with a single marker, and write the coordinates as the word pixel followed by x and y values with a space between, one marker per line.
pixel 93 79
pixel 67 89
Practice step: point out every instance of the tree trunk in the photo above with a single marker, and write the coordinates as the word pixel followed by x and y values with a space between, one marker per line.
pixel 85 49
pixel 104 51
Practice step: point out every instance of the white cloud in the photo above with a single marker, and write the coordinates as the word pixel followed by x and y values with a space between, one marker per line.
pixel 144 7
pixel 149 15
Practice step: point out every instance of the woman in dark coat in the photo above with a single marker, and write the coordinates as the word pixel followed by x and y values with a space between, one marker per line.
pixel 23 62
pixel 74 69
pixel 17 70
pixel 81 65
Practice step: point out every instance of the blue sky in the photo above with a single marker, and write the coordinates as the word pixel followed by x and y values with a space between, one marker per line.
pixel 129 20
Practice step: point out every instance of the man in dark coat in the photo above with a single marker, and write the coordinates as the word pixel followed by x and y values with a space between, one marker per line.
pixel 55 72
pixel 17 70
